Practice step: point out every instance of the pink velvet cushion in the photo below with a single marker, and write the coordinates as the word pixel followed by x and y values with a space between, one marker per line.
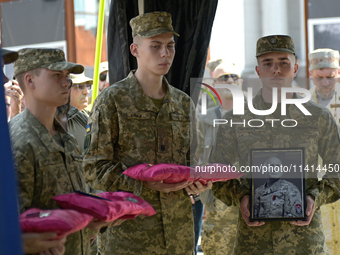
pixel 62 222
pixel 107 206
pixel 172 173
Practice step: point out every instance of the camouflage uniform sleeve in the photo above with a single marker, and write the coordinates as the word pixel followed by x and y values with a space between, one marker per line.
pixel 292 198
pixel 191 154
pixel 26 176
pixel 230 192
pixel 101 172
pixel 328 189
pixel 200 137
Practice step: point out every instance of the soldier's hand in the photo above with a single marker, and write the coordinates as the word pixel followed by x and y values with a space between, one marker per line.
pixel 41 242
pixel 115 223
pixel 244 207
pixel 309 212
pixel 166 187
pixel 97 224
pixel 197 187
pixel 59 250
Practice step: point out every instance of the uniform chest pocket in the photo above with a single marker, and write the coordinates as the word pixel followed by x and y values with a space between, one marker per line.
pixel 51 179
pixel 180 134
pixel 136 130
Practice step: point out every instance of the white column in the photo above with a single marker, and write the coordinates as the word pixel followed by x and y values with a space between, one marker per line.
pixel 274 17
pixel 252 32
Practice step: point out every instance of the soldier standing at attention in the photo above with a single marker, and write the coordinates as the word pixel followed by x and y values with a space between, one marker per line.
pixel 316 133
pixel 324 71
pixel 48 160
pixel 143 119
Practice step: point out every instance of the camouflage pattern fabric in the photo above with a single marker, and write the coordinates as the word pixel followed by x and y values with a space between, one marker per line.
pixel 220 224
pixel 52 59
pixel 124 129
pixel 152 24
pixel 277 200
pixel 318 134
pixel 331 212
pixel 219 229
pixel 45 169
pixel 274 43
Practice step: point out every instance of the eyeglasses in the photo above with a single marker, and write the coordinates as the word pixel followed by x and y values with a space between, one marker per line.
pixel 82 86
pixel 102 77
pixel 226 77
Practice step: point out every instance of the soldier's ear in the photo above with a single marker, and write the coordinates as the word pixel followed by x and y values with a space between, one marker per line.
pixel 29 80
pixel 134 49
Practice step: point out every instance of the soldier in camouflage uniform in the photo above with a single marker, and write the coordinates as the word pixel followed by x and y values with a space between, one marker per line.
pixel 277 197
pixel 143 119
pixel 317 133
pixel 48 160
pixel 324 72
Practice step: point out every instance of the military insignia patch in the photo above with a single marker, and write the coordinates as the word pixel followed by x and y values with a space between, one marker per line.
pixel 298 209
pixel 88 128
pixel 132 200
pixel 273 40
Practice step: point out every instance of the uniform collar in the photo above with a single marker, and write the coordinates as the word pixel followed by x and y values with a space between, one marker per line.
pixel 45 137
pixel 144 102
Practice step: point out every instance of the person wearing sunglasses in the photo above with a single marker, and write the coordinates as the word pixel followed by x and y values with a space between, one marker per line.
pixel 103 69
pixel 80 89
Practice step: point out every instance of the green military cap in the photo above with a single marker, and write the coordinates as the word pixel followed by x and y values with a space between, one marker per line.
pixel 9 56
pixel 275 43
pixel 152 24
pixel 323 58
pixel 52 59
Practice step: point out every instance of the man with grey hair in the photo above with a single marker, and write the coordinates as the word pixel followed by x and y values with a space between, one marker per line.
pixel 324 72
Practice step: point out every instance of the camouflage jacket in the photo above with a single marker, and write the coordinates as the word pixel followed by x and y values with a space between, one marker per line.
pixel 318 134
pixel 125 128
pixel 281 199
pixel 45 169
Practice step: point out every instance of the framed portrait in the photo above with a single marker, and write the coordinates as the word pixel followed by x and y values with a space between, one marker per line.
pixel 278 190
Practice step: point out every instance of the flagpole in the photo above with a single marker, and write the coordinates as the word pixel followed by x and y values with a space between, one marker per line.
pixel 100 29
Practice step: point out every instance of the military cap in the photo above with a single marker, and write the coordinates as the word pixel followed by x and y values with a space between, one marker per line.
pixel 9 56
pixel 52 59
pixel 212 64
pixel 224 69
pixel 152 24
pixel 80 78
pixel 323 58
pixel 103 66
pixel 275 43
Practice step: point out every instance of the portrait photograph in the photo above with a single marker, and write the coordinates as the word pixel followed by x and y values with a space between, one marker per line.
pixel 277 185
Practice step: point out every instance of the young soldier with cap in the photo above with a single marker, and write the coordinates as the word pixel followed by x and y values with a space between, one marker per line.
pixel 317 134
pixel 324 71
pixel 34 242
pixel 143 119
pixel 48 160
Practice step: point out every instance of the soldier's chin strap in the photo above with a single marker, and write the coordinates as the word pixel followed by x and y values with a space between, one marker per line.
pixel 71 83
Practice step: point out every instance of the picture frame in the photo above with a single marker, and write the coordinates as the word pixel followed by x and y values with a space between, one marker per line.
pixel 278 191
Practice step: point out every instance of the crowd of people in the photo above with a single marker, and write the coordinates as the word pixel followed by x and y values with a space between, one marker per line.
pixel 61 145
